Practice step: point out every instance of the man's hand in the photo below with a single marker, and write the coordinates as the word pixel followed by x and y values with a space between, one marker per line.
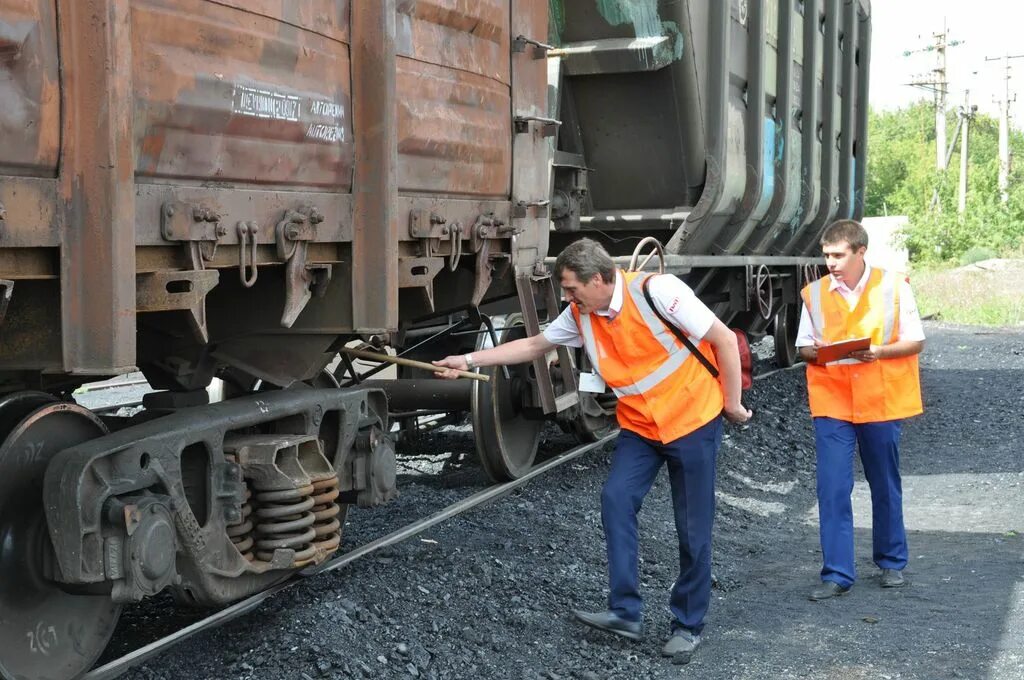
pixel 872 353
pixel 737 413
pixel 454 363
pixel 810 353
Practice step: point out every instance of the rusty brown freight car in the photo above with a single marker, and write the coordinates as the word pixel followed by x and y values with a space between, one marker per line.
pixel 239 189
pixel 201 188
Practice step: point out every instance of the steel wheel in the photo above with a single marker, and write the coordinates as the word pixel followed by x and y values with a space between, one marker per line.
pixel 787 323
pixel 506 440
pixel 45 632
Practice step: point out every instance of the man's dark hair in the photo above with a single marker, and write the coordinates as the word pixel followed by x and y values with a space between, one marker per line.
pixel 850 231
pixel 585 258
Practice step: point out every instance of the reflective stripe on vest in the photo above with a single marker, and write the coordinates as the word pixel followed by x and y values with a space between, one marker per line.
pixel 889 285
pixel 676 355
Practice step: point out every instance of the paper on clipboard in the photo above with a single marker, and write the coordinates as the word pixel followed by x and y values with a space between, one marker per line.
pixel 841 350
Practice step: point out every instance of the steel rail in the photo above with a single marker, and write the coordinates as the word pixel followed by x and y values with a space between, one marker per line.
pixel 121 665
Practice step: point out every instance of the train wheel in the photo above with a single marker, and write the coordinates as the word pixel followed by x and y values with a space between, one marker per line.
pixel 45 632
pixel 787 323
pixel 506 440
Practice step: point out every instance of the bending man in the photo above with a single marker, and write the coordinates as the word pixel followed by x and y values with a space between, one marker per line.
pixel 669 410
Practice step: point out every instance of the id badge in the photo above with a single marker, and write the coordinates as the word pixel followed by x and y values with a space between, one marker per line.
pixel 591 382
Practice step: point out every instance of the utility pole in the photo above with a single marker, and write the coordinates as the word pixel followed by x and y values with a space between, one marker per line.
pixel 1004 127
pixel 937 83
pixel 966 116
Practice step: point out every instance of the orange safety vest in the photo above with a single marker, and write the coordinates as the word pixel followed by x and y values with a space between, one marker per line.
pixel 852 390
pixel 664 392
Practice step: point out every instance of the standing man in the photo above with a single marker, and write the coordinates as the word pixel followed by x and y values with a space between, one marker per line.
pixel 669 410
pixel 860 401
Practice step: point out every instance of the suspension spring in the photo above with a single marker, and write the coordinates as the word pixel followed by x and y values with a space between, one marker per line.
pixel 327 525
pixel 284 520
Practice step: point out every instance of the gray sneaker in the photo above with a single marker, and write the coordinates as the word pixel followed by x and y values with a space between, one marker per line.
pixel 681 646
pixel 893 578
pixel 828 589
pixel 612 623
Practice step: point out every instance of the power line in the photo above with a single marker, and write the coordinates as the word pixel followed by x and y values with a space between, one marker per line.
pixel 937 83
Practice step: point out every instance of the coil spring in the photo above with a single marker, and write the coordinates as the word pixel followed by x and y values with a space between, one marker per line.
pixel 241 531
pixel 284 520
pixel 327 526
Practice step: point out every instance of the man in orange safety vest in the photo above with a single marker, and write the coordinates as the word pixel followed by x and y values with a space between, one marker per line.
pixel 859 401
pixel 670 409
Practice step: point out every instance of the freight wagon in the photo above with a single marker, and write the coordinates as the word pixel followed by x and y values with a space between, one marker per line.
pixel 239 190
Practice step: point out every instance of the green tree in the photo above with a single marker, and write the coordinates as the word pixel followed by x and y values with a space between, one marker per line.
pixel 902 179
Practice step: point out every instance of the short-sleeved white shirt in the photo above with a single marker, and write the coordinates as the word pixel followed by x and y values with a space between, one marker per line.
pixel 910 318
pixel 673 298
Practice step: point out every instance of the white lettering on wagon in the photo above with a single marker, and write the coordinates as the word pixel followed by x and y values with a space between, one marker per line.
pixel 251 101
pixel 325 107
pixel 326 133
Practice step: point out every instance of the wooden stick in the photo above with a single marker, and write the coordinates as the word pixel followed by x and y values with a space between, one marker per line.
pixel 402 361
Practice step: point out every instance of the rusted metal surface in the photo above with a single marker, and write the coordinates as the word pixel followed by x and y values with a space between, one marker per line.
pixel 246 112
pixel 97 192
pixel 531 186
pixel 234 205
pixel 374 246
pixel 454 131
pixel 228 95
pixel 29 88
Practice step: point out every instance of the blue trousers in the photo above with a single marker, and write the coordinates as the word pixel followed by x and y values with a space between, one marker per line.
pixel 691 469
pixel 836 441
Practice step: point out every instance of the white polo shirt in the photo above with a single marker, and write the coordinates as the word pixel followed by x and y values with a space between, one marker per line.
pixel 673 298
pixel 910 319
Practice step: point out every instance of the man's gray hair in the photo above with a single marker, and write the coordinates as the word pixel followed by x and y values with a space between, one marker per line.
pixel 585 258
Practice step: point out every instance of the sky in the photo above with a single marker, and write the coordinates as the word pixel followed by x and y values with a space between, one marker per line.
pixel 986 28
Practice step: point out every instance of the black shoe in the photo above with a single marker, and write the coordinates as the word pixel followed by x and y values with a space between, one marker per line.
pixel 828 589
pixel 893 578
pixel 611 622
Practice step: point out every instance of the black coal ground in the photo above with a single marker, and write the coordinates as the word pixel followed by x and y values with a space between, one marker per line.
pixel 489 594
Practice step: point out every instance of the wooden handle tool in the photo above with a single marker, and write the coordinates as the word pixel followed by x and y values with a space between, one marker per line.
pixel 402 361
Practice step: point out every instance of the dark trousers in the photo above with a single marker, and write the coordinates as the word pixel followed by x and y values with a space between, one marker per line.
pixel 836 441
pixel 691 469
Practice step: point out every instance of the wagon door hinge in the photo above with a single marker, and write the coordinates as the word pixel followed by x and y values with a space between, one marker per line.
pixel 521 208
pixel 540 50
pixel 548 126
pixel 199 228
pixel 293 235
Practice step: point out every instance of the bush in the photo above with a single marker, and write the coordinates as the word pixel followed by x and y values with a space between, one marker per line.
pixel 976 254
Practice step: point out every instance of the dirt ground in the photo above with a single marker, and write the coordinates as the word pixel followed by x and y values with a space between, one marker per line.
pixel 489 595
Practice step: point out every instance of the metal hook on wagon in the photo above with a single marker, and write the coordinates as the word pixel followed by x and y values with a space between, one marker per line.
pixel 244 231
pixel 456 253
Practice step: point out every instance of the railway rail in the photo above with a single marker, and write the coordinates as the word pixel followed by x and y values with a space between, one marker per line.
pixel 121 665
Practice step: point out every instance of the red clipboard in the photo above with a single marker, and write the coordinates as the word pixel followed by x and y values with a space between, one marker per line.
pixel 841 350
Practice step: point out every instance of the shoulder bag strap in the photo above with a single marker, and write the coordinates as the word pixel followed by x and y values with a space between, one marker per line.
pixel 676 331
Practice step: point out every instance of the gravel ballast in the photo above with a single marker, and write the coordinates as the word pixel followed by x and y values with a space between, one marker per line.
pixel 489 593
